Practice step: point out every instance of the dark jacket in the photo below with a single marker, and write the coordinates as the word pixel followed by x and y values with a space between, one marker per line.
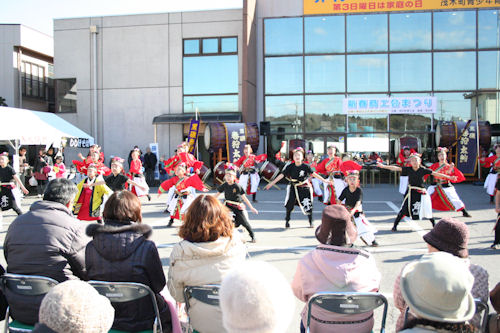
pixel 45 241
pixel 121 252
pixel 42 328
pixel 150 161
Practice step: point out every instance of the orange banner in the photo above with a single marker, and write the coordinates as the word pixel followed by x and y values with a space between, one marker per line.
pixel 312 7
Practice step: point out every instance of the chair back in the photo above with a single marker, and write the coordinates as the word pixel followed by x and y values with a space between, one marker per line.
pixel 482 307
pixel 119 292
pixel 26 285
pixel 347 303
pixel 207 294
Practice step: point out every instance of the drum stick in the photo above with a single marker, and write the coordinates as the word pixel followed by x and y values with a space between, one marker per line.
pixel 273 185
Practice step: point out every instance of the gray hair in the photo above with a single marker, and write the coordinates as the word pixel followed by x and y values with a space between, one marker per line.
pixel 60 190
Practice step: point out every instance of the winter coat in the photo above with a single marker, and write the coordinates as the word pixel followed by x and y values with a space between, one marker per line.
pixel 121 252
pixel 424 329
pixel 42 328
pixel 341 269
pixel 479 290
pixel 196 264
pixel 46 241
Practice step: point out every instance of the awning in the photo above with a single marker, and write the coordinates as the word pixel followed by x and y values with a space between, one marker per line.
pixel 40 128
pixel 184 118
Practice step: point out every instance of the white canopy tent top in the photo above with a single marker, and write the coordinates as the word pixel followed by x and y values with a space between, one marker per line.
pixel 27 127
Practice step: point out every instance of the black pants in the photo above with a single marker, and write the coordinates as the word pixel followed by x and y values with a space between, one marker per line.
pixel 497 231
pixel 240 219
pixel 150 177
pixel 289 212
pixel 41 186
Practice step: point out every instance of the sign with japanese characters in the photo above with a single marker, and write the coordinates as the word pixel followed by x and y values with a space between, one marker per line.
pixel 193 135
pixel 236 140
pixel 313 7
pixel 389 105
pixel 466 157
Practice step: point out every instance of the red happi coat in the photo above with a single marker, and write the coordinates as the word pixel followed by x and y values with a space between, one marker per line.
pixel 492 161
pixel 327 167
pixel 187 158
pixel 402 160
pixel 439 198
pixel 250 160
pixel 82 166
pixel 181 188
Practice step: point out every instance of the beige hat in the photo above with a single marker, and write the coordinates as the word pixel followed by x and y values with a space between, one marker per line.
pixel 438 287
pixel 75 306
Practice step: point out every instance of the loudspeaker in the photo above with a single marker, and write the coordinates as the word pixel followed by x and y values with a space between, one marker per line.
pixel 265 128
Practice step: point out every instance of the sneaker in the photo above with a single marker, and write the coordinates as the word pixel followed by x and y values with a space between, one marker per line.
pixel 394 229
pixel 466 213
pixel 287 225
pixel 170 223
pixel 165 211
pixel 374 243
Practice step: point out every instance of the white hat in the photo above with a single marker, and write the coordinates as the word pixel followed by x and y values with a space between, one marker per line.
pixel 75 306
pixel 255 297
pixel 438 287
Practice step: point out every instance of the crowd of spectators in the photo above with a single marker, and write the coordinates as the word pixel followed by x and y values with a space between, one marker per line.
pixel 438 289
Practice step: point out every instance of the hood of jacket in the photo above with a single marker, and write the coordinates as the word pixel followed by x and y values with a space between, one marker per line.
pixel 220 247
pixel 343 267
pixel 50 206
pixel 116 241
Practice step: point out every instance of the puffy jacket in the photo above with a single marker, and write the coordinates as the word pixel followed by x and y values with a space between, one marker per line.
pixel 121 252
pixel 336 268
pixel 46 241
pixel 196 264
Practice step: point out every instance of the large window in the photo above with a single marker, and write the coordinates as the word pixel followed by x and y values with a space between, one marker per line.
pixel 311 63
pixel 34 83
pixel 210 74
pixel 66 95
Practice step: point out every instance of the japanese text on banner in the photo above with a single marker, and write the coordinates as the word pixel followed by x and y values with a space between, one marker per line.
pixel 193 135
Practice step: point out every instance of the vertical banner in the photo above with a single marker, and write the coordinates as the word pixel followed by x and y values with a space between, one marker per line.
pixel 235 139
pixel 466 157
pixel 193 135
pixel 154 150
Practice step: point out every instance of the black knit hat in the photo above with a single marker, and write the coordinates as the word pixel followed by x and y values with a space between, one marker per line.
pixel 449 235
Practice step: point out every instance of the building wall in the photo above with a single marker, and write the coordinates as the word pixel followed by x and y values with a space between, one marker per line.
pixel 139 61
pixel 9 36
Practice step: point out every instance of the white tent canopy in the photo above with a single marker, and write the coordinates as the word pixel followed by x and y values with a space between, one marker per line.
pixel 27 127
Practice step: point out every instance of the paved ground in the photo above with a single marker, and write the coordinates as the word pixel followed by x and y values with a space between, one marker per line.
pixel 283 248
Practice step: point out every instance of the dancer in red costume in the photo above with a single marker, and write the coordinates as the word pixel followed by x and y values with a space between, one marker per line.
pixel 95 159
pixel 492 162
pixel 316 183
pixel 89 198
pixel 330 167
pixel 183 156
pixel 180 192
pixel 444 197
pixel 247 166
pixel 136 174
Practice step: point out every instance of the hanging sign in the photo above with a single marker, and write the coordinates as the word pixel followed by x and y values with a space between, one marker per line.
pixel 389 105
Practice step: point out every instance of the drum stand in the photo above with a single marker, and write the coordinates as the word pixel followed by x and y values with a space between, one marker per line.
pixel 268 181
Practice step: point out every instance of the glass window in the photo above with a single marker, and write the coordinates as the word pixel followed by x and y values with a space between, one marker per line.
pixel 368 123
pixel 410 31
pixel 221 103
pixel 285 112
pixel 66 94
pixel 410 122
pixel 367 33
pixel 324 34
pixel 229 44
pixel 454 106
pixel 191 46
pixel 284 75
pixel 210 45
pixel 455 30
pixel 487 106
pixel 411 71
pixel 210 74
pixel 283 36
pixel 454 71
pixel 325 73
pixel 367 143
pixel 488 28
pixel 489 67
pixel 324 113
pixel 366 73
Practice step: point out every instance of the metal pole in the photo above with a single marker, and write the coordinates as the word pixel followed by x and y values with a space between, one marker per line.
pixel 20 76
pixel 477 143
pixel 93 31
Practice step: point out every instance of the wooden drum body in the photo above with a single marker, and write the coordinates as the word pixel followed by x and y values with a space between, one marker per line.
pixel 294 144
pixel 204 173
pixel 219 173
pixel 269 171
pixel 215 136
pixel 447 133
pixel 410 141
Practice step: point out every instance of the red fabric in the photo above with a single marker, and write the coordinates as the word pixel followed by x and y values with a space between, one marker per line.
pixel 323 168
pixel 450 170
pixel 136 166
pixel 349 166
pixel 191 161
pixel 488 162
pixel 193 181
pixel 438 203
pixel 84 199
pixel 402 160
pixel 250 160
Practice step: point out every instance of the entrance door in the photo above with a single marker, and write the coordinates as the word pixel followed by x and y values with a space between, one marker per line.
pixel 319 143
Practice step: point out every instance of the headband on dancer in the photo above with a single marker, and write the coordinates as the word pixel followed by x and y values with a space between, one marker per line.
pixel 230 168
pixel 117 159
pixel 416 155
pixel 92 166
pixel 442 150
pixel 406 147
pixel 299 150
pixel 4 154
pixel 352 174
pixel 182 165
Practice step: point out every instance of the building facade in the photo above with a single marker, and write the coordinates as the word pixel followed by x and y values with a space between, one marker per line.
pixel 26 68
pixel 291 63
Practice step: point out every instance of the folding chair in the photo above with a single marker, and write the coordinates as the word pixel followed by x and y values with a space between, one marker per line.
pixel 207 294
pixel 119 292
pixel 26 285
pixel 482 307
pixel 347 303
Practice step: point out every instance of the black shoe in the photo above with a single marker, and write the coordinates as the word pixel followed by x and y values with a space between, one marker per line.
pixel 394 229
pixel 320 198
pixel 165 211
pixel 432 221
pixel 287 225
pixel 465 213
pixel 149 197
pixel 170 222
pixel 492 198
pixel 311 224
pixel 253 240
pixel 374 243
